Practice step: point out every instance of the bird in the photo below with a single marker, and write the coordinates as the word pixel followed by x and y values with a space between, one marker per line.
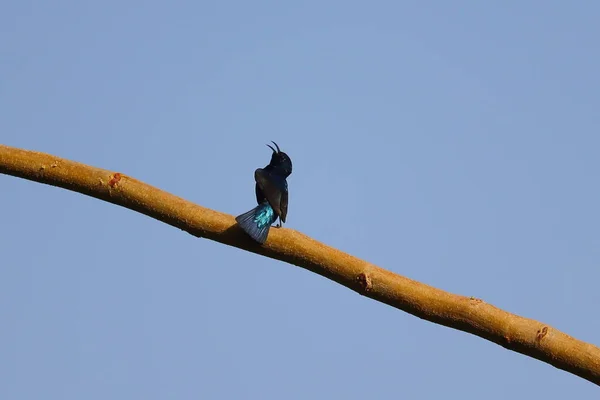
pixel 271 195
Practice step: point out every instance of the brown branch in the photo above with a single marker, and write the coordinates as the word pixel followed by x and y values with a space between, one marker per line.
pixel 468 314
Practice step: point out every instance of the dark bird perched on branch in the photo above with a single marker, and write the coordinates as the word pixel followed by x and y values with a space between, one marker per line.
pixel 271 196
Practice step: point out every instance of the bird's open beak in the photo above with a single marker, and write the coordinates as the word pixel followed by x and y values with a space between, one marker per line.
pixel 271 147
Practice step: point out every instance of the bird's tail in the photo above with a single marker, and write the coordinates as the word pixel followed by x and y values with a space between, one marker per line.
pixel 256 222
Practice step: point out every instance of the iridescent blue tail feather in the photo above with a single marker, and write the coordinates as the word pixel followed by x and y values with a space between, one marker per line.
pixel 256 222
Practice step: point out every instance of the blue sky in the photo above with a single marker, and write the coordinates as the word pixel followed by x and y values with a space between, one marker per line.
pixel 455 143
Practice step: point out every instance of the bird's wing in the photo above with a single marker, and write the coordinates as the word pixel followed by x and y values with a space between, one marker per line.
pixel 260 197
pixel 284 204
pixel 271 190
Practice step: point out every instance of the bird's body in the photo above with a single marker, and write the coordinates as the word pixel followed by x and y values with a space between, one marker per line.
pixel 271 195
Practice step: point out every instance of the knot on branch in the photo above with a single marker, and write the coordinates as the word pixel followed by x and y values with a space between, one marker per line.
pixel 114 179
pixel 364 282
pixel 541 333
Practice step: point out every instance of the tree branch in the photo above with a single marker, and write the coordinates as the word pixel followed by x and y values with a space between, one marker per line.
pixel 468 314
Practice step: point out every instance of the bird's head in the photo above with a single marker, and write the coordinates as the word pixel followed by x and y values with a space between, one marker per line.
pixel 280 161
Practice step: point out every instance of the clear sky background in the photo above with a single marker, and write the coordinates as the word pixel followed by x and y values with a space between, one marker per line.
pixel 455 143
